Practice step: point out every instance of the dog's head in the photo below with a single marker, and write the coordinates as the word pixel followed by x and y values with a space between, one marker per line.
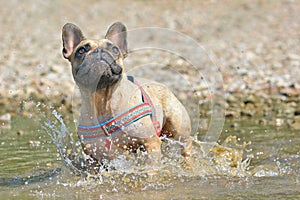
pixel 96 64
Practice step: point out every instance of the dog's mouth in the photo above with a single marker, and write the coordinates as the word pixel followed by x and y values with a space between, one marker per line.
pixel 99 69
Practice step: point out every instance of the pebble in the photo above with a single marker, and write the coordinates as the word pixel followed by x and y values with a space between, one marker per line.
pixel 262 121
pixel 234 125
pixel 251 99
pixel 293 56
pixel 5 121
pixel 289 92
pixel 231 114
pixel 295 123
pixel 248 113
pixel 279 122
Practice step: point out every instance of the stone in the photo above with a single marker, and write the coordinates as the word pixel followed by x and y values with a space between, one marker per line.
pixel 5 121
pixel 292 56
pixel 234 125
pixel 295 123
pixel 231 114
pixel 279 122
pixel 289 92
pixel 251 99
pixel 262 121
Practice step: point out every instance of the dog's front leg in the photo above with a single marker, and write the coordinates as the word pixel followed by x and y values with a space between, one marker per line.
pixel 187 151
pixel 153 148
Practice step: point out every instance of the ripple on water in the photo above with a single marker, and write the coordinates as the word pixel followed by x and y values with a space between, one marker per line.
pixel 213 163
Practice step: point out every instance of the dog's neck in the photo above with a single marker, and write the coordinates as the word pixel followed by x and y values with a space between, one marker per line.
pixel 96 106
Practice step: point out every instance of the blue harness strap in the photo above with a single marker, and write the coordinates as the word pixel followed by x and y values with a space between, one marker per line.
pixel 121 120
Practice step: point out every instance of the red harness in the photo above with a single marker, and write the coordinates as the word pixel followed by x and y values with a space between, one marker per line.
pixel 123 119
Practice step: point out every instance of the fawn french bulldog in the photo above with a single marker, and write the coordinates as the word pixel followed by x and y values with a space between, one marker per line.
pixel 118 113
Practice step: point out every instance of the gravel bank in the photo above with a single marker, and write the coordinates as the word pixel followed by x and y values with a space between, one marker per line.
pixel 255 44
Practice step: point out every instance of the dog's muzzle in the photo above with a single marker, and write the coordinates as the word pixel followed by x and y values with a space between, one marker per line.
pixel 109 60
pixel 98 70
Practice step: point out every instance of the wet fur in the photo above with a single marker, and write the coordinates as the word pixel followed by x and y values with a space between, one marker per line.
pixel 106 92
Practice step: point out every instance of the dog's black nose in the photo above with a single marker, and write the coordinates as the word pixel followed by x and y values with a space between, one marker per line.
pixel 116 69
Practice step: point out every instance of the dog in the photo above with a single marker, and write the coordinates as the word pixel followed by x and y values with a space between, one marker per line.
pixel 118 113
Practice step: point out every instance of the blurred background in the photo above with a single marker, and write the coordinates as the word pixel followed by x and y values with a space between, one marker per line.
pixel 255 44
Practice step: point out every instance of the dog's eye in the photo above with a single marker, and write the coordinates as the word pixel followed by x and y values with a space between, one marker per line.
pixel 81 50
pixel 115 50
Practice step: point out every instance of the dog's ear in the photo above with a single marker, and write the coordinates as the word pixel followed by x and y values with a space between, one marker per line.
pixel 71 37
pixel 117 33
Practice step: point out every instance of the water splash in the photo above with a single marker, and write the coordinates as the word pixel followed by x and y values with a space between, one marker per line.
pixel 129 170
pixel 51 121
